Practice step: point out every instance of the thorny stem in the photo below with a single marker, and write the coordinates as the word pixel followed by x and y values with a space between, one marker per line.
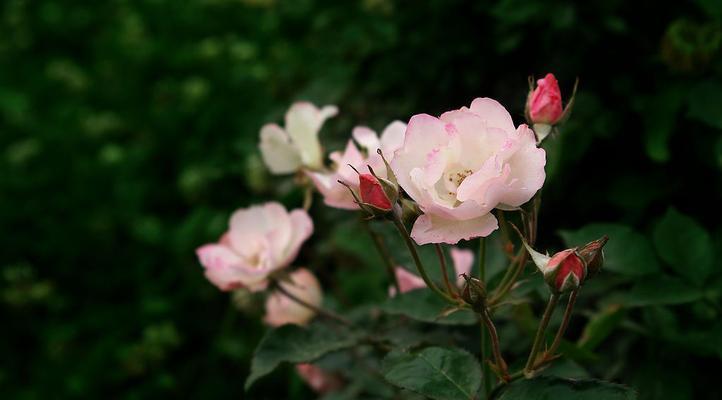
pixel 415 255
pixel 565 323
pixel 444 272
pixel 484 339
pixel 384 253
pixel 553 299
pixel 495 348
pixel 320 311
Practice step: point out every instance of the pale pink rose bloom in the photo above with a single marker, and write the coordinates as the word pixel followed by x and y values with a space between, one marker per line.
pixel 545 102
pixel 461 166
pixel 461 258
pixel 260 239
pixel 282 310
pixel 287 150
pixel 337 195
pixel 319 380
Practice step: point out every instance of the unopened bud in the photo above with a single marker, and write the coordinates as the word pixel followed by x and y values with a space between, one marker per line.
pixel 544 105
pixel 593 255
pixel 372 193
pixel 474 293
pixel 565 271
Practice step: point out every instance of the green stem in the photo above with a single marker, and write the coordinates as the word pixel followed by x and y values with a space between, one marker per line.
pixel 444 272
pixel 415 255
pixel 384 253
pixel 513 272
pixel 318 310
pixel 553 299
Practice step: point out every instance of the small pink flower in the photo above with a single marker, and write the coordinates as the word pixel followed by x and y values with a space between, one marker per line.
pixel 260 239
pixel 319 380
pixel 545 102
pixel 373 193
pixel 461 258
pixel 282 310
pixel 462 165
pixel 327 182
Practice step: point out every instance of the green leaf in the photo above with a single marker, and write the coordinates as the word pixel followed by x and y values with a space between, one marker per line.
pixel 684 245
pixel 660 290
pixel 600 326
pixel 554 388
pixel 295 344
pixel 705 101
pixel 424 305
pixel 659 114
pixel 627 252
pixel 434 372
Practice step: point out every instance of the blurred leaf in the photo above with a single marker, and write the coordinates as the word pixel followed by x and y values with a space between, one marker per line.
pixel 600 325
pixel 424 305
pixel 705 101
pixel 684 245
pixel 435 372
pixel 548 388
pixel 295 344
pixel 659 114
pixel 660 290
pixel 627 251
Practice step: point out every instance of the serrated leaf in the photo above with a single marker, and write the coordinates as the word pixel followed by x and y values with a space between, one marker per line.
pixel 295 344
pixel 549 387
pixel 684 245
pixel 435 372
pixel 627 251
pixel 424 305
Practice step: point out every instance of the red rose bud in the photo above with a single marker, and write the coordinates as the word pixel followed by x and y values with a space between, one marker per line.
pixel 593 255
pixel 372 193
pixel 565 271
pixel 544 105
pixel 545 102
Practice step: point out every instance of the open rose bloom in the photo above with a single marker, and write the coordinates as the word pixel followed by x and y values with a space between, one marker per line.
pixel 287 150
pixel 327 182
pixel 462 165
pixel 281 310
pixel 260 240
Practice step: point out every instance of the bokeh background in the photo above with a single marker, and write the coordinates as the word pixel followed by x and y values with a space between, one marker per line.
pixel 128 135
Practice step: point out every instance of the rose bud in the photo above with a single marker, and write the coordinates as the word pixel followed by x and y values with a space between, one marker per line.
pixel 566 270
pixel 372 193
pixel 544 105
pixel 563 271
pixel 593 255
pixel 474 293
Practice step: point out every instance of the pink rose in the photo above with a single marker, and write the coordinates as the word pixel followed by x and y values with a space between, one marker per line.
pixel 259 240
pixel 319 380
pixel 335 194
pixel 545 102
pixel 462 259
pixel 286 150
pixel 464 164
pixel 282 310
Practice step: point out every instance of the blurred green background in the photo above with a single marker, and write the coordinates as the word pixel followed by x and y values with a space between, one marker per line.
pixel 128 135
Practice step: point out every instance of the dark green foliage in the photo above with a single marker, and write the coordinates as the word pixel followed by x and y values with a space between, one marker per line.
pixel 128 135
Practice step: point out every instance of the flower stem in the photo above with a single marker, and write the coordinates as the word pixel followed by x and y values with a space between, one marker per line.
pixel 484 338
pixel 384 253
pixel 318 310
pixel 444 272
pixel 415 255
pixel 553 299
pixel 495 347
pixel 565 322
